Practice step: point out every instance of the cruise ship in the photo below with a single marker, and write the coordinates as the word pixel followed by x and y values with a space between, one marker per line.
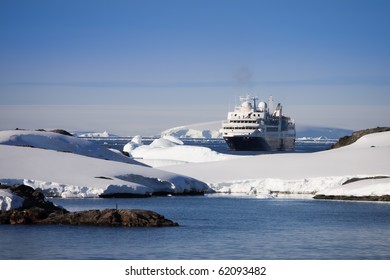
pixel 256 126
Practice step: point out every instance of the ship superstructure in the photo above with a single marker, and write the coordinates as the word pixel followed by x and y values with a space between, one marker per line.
pixel 256 126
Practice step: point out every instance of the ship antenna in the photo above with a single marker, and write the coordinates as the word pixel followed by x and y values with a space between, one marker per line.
pixel 270 104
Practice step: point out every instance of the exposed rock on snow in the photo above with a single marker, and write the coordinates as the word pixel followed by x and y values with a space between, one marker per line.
pixel 353 197
pixel 36 210
pixel 61 131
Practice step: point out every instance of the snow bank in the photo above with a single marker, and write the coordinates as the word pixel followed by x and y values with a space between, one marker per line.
pixel 374 140
pixel 67 166
pixel 169 150
pixel 59 142
pixel 373 187
pixel 75 175
pixel 9 201
pixel 311 173
pixel 134 143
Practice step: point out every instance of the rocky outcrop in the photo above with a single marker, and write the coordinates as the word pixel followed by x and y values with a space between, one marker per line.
pixel 110 217
pixel 347 140
pixel 354 198
pixel 36 210
pixel 355 179
pixel 33 198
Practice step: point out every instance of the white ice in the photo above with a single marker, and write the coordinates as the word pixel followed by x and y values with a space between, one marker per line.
pixel 169 150
pixel 59 142
pixel 300 173
pixel 73 174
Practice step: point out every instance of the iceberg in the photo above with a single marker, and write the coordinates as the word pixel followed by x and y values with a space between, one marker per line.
pixel 201 130
pixel 169 150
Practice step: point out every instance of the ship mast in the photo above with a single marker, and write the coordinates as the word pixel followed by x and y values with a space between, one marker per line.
pixel 270 105
pixel 254 104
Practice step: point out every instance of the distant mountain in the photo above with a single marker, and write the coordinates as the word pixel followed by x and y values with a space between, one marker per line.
pixel 93 134
pixel 325 132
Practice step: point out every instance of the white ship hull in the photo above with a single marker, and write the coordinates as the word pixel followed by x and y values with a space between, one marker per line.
pixel 254 128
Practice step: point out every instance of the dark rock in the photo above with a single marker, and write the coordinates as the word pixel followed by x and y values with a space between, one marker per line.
pixel 354 198
pixel 364 178
pixel 123 217
pixel 61 131
pixel 125 153
pixel 347 140
pixel 104 178
pixel 110 217
pixel 184 193
pixel 33 198
pixel 125 195
pixel 36 210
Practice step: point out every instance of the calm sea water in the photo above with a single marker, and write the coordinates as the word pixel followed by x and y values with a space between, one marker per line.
pixel 218 145
pixel 214 227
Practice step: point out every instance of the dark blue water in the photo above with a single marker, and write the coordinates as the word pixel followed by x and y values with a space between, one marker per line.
pixel 214 227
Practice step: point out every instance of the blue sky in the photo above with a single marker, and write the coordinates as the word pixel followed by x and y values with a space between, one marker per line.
pixel 169 63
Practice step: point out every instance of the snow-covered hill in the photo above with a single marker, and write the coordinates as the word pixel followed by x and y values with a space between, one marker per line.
pixel 297 173
pixel 76 175
pixel 60 142
pixel 66 166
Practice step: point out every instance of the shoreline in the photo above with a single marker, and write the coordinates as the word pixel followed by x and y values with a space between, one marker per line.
pixel 35 209
pixel 371 198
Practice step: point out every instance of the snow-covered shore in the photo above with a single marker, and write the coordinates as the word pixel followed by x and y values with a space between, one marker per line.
pixel 38 159
pixel 312 173
pixel 83 170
